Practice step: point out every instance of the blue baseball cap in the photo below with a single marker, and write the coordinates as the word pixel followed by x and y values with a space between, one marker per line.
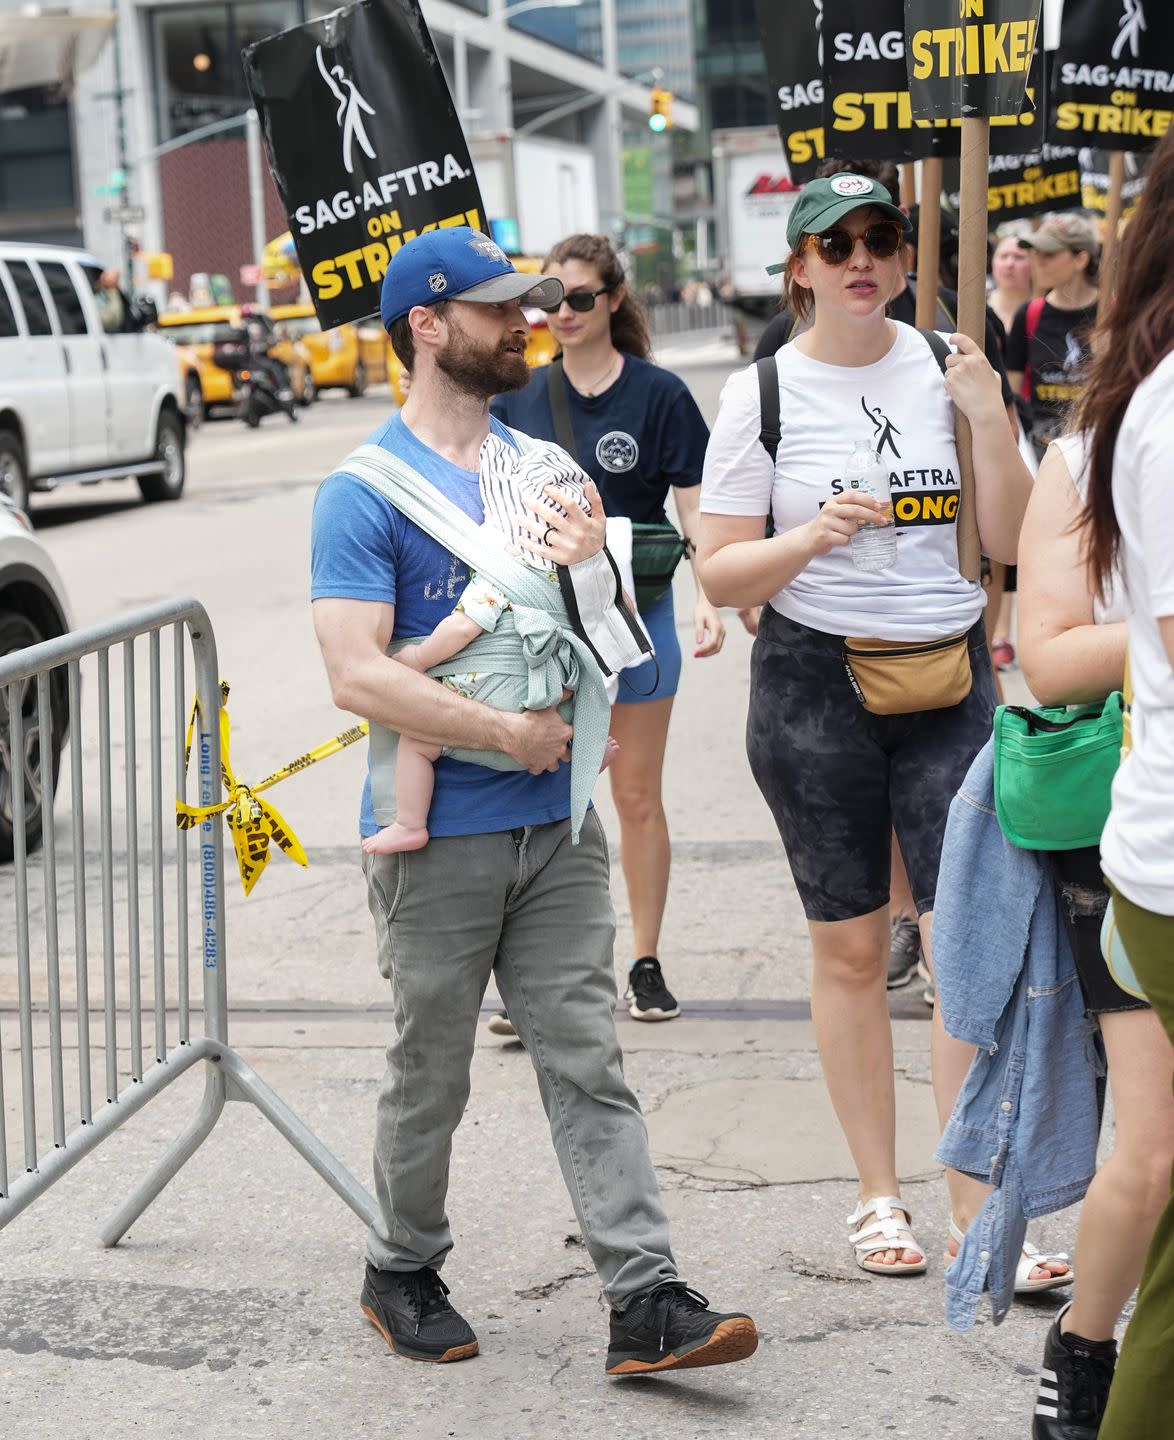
pixel 458 263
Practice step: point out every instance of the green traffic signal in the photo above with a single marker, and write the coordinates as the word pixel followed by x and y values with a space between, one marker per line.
pixel 660 109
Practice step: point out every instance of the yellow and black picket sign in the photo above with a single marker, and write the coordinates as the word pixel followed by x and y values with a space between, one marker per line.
pixel 975 67
pixel 1034 187
pixel 1112 83
pixel 252 822
pixel 365 145
pixel 791 48
pixel 1113 75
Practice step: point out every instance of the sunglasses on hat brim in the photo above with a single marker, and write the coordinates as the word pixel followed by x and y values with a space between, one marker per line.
pixel 882 239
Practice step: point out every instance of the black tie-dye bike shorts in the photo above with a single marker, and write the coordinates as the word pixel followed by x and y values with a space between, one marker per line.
pixel 839 780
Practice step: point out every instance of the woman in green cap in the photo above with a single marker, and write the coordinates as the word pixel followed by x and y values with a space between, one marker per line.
pixel 871 685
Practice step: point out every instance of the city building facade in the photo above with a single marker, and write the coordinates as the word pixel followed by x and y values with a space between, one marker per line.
pixel 130 160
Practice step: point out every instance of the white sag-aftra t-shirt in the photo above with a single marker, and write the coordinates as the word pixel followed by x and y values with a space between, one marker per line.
pixel 1137 849
pixel 901 407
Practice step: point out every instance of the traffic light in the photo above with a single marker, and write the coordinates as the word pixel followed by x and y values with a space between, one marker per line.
pixel 660 109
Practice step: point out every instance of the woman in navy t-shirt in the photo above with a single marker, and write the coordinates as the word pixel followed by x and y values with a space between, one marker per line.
pixel 638 434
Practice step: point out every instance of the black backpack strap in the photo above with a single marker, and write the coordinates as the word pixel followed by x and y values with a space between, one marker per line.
pixel 560 408
pixel 939 347
pixel 770 432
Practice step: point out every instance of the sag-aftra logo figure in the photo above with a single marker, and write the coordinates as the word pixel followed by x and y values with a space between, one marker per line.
pixel 349 116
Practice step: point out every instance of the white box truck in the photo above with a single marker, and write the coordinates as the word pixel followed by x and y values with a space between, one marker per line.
pixel 754 194
pixel 546 186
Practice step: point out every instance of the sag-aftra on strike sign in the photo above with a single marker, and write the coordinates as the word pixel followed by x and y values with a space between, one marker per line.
pixel 364 145
pixel 1113 77
pixel 975 67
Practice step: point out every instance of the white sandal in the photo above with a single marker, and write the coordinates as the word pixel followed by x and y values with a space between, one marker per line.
pixel 884 1232
pixel 1029 1259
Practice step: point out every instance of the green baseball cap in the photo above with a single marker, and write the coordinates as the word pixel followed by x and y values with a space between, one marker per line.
pixel 822 202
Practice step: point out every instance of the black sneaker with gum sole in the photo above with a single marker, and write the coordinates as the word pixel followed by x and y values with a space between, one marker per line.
pixel 410 1310
pixel 671 1327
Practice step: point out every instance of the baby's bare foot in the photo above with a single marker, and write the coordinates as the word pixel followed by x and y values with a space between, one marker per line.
pixel 610 751
pixel 394 838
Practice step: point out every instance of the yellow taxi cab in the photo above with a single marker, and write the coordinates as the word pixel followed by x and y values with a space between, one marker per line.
pixel 373 348
pixel 195 333
pixel 338 358
pixel 541 346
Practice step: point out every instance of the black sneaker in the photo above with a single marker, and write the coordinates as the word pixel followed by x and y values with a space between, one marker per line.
pixel 651 998
pixel 904 951
pixel 671 1327
pixel 410 1310
pixel 1074 1386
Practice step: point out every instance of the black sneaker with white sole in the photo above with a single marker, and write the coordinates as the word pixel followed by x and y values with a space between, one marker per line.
pixel 648 996
pixel 1074 1386
pixel 671 1327
pixel 410 1310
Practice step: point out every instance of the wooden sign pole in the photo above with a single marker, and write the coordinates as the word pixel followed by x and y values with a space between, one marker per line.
pixel 1108 278
pixel 909 184
pixel 972 241
pixel 929 242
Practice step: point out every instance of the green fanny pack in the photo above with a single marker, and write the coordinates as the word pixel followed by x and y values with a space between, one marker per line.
pixel 1054 771
pixel 657 550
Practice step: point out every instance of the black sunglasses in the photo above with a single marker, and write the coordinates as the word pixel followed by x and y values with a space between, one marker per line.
pixel 882 239
pixel 580 301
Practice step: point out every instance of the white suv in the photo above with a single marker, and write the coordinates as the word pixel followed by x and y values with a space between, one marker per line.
pixel 32 608
pixel 86 391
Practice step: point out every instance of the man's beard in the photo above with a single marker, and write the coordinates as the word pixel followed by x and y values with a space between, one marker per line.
pixel 481 370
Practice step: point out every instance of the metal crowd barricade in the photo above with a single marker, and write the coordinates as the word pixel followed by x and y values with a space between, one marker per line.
pixel 678 318
pixel 59 1120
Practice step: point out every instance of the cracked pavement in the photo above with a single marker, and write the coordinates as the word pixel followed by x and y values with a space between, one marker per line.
pixel 232 1308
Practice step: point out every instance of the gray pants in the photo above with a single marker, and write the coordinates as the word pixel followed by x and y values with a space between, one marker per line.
pixel 535 911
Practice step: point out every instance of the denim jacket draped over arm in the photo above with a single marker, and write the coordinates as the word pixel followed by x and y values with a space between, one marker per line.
pixel 1027 1119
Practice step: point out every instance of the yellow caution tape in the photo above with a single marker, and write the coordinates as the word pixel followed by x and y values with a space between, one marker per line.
pixel 253 822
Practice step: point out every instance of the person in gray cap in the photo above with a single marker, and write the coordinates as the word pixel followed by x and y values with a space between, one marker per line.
pixel 1048 347
pixel 499 890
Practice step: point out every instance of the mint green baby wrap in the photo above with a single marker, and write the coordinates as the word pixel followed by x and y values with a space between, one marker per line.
pixel 526 663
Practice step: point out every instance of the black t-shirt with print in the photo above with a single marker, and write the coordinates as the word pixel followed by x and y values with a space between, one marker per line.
pixel 1057 357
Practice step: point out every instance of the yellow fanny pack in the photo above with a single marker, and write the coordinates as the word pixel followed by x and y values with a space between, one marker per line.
pixel 894 678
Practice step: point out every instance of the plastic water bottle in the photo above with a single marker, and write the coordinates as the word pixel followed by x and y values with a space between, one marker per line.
pixel 874 545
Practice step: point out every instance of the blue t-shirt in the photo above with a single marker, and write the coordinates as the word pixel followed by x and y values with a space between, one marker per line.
pixel 641 436
pixel 362 548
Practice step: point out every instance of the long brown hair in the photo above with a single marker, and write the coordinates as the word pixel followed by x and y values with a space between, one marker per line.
pixel 1136 337
pixel 629 325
